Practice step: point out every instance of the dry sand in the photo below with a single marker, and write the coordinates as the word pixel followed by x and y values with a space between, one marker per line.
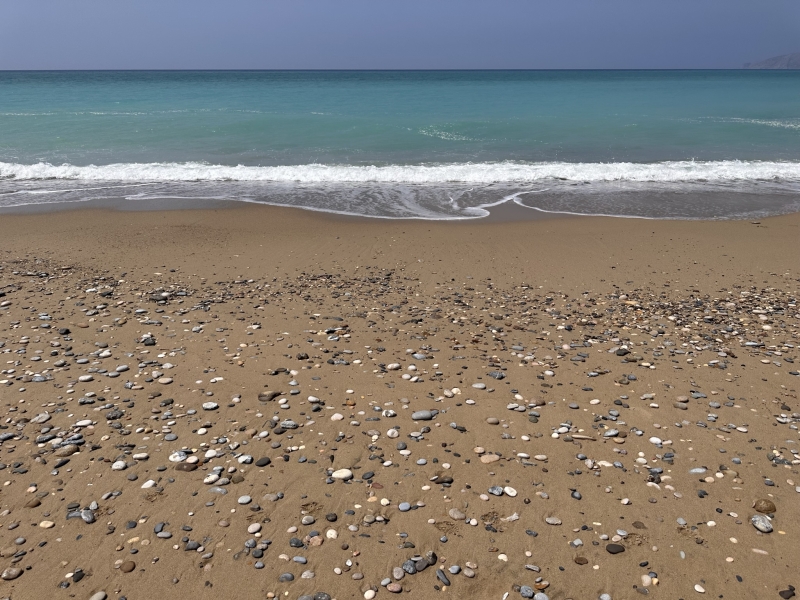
pixel 681 336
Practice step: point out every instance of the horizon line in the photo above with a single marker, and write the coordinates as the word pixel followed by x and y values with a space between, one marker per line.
pixel 354 70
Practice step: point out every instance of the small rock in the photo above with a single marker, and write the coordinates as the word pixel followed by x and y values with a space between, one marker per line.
pixel 127 566
pixel 456 514
pixel 761 523
pixel 342 474
pixel 10 573
pixel 764 506
pixel 615 548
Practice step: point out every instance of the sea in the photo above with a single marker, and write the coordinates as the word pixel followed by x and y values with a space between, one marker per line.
pixel 407 144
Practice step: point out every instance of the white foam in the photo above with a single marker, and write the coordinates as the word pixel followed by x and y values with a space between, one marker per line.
pixel 719 172
pixel 780 123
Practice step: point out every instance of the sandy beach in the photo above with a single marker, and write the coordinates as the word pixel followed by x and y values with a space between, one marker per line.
pixel 254 402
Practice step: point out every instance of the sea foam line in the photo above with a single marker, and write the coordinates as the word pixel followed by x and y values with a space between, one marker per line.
pixel 461 173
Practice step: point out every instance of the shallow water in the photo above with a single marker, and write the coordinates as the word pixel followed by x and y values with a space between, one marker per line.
pixel 432 145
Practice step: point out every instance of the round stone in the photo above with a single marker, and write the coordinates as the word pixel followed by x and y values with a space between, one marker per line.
pixel 342 474
pixel 244 500
pixel 615 548
pixel 764 506
pixel 10 573
pixel 761 523
pixel 456 514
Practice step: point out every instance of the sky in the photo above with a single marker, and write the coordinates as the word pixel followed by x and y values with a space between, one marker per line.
pixel 394 34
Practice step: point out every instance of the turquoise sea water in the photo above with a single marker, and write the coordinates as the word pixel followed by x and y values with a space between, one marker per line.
pixel 663 144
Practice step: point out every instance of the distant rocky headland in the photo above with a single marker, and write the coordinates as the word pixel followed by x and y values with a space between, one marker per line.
pixel 786 61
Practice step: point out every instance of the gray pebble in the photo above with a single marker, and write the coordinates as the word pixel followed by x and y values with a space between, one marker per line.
pixel 761 523
pixel 422 415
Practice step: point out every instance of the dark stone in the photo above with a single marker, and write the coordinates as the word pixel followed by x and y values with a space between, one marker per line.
pixel 410 567
pixel 615 548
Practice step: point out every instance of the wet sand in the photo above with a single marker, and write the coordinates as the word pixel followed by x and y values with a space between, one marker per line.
pixel 648 368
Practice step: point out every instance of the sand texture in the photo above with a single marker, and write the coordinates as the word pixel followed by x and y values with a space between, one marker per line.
pixel 256 402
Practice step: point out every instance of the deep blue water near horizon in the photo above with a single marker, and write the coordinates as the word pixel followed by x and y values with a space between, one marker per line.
pixel 419 144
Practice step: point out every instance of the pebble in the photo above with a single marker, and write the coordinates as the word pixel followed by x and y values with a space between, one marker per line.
pixel 764 506
pixel 422 415
pixel 342 474
pixel 10 573
pixel 456 514
pixel 615 548
pixel 127 566
pixel 761 523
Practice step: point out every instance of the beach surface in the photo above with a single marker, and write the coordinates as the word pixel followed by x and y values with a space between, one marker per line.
pixel 256 402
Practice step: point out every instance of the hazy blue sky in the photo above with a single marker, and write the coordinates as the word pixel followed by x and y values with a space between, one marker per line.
pixel 374 34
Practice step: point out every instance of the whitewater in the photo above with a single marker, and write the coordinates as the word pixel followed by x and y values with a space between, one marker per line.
pixel 468 173
pixel 454 191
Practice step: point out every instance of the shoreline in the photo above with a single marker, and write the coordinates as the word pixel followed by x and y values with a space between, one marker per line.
pixel 506 211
